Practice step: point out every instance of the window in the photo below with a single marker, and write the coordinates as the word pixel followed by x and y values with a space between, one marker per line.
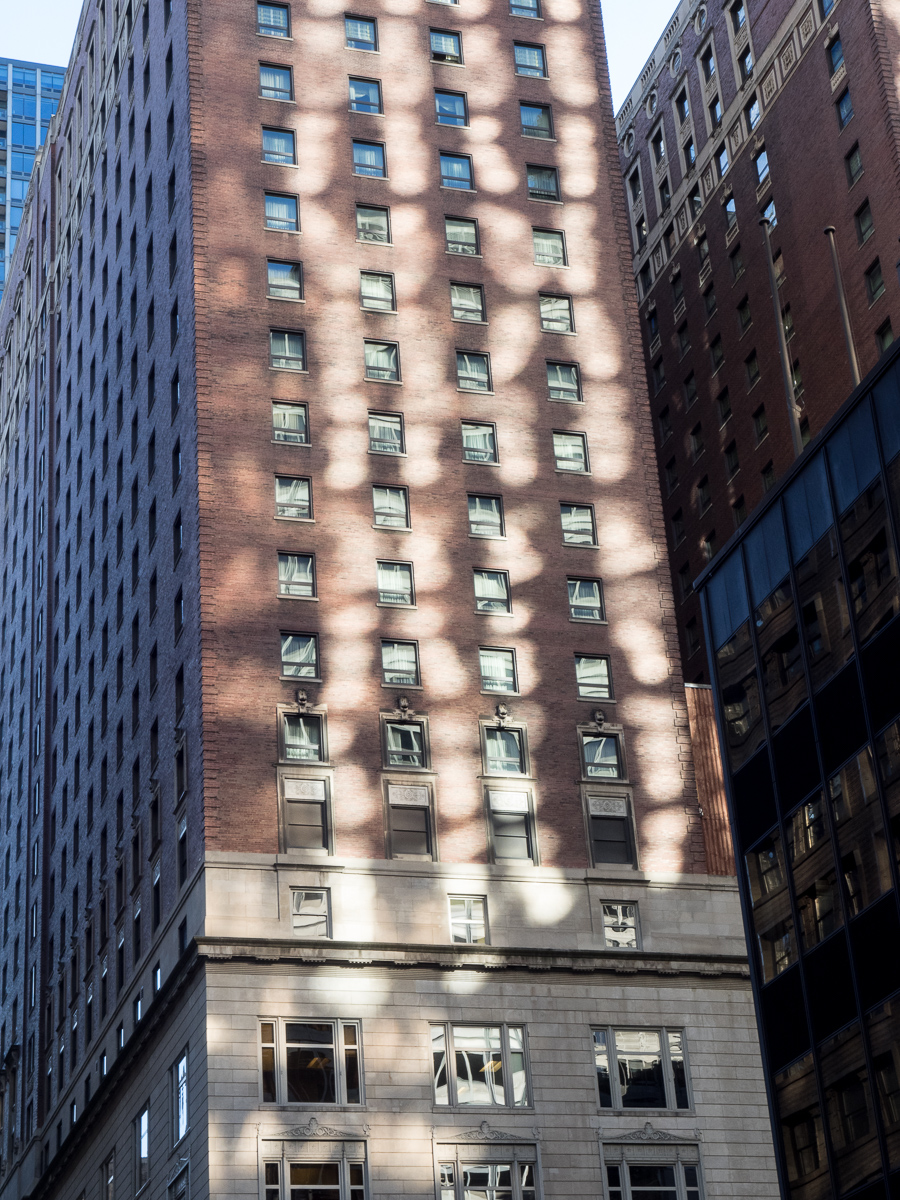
pixel 716 353
pixel 142 1149
pixel 690 157
pixel 797 378
pixel 845 110
pixel 738 16
pixel 752 114
pixel 723 400
pixel 409 812
pixel 400 663
pixel 272 20
pixel 708 63
pixel 285 280
pixel 709 545
pixel 739 515
pixel 641 1068
pixel 368 159
pixel 293 498
pixel 715 114
pixel 884 337
pixel 479 442
pixel 461 235
pixel 556 314
pixel 745 320
pixel 586 600
pixel 525 8
pixel 854 165
pixel 376 291
pixel 690 391
pixel 592 677
pixel 658 146
pixel 382 361
pixel 468 919
pixel 310 912
pixel 760 424
pixel 620 926
pixel 570 452
pixel 737 264
pixel 404 745
pixel 445 47
pixel 360 34
pixel 365 97
pixel 476 1064
pixel 391 506
pixel 865 224
pixel 659 375
pixel 306 1062
pixel 761 163
pixel 745 62
pixel 282 213
pixel 300 655
pixel 704 494
pixel 372 224
pixel 662 1182
pixel 395 583
pixel 386 434
pixel 601 756
pixel 510 816
pixel 485 516
pixel 874 282
pixel 296 575
pixel 456 172
pixel 279 147
pixel 498 670
pixel 697 443
pixel 466 302
pixel 530 60
pixel 835 56
pixel 287 350
pixel 492 592
pixel 665 194
pixel 563 381
pixel 578 524
pixel 536 120
pixel 543 183
pixel 275 83
pixel 179 1075
pixel 289 423
pixel 664 423
pixel 302 739
pixel 768 477
pixel 732 464
pixel 752 365
pixel 450 108
pixel 472 372
pixel 684 340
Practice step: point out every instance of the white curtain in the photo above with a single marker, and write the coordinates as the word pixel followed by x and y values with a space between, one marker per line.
pixel 368 158
pixel 281 212
pixel 359 31
pixel 592 674
pixel 295 574
pixel 568 449
pixel 381 360
pixel 484 511
pixel 302 736
pixel 562 378
pixel 577 523
pixel 289 419
pixel 480 439
pixel 490 586
pixel 377 291
pixel 497 667
pixel 504 750
pixel 274 81
pixel 298 654
pixel 278 145
pixel 399 658
pixel 456 171
pixel 395 581
pixel 601 755
pixel 548 247
pixel 444 43
pixel 390 506
pixel 556 313
pixel 472 371
pixel 386 431
pixel 292 494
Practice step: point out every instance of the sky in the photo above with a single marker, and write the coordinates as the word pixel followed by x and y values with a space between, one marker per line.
pixel 42 31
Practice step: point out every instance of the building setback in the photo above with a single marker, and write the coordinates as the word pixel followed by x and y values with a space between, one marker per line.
pixel 353 843
pixel 29 95
pixel 803 615
pixel 789 111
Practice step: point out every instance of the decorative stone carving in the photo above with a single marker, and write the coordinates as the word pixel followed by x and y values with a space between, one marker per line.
pixel 484 1133
pixel 736 137
pixel 648 1134
pixel 708 181
pixel 314 1130
pixel 770 86
pixel 807 26
pixel 608 806
pixel 788 57
pixel 681 220
pixel 400 794
pixel 304 789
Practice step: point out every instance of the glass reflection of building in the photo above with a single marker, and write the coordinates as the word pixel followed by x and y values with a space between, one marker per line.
pixel 803 614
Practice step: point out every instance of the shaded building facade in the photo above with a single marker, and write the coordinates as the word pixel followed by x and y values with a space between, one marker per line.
pixel 353 842
pixel 786 111
pixel 803 617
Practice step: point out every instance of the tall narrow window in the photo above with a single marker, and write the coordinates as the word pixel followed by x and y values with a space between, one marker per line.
pixel 142 1149
pixel 180 1096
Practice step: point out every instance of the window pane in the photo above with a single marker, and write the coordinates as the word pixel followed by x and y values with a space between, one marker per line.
pixel 302 737
pixel 462 235
pixel 272 20
pixel 556 314
pixel 291 497
pixel 601 1062
pixel 543 183
pixel 639 1062
pixel 360 34
pixel 286 350
pixel 311 1079
pixel 679 1075
pixel 399 662
pixel 610 842
pixel 395 583
pixel 491 591
pixel 592 676
pixel 289 423
pixel 365 96
pixel 295 574
pixel 298 654
pixel 562 381
pixel 504 751
pixel 409 830
pixel 524 8
pixel 278 146
pixel 601 756
pixel 450 108
pixel 466 302
pixel 376 291
pixel 274 82
pixel 577 524
pixel 479 1068
pixel 486 516
pixel 498 670
pixel 284 280
pixel 585 603
pixel 372 224
pixel 281 212
pixel 536 120
pixel 305 823
pixel 309 912
pixel 405 745
pixel 391 506
pixel 445 47
pixel 368 159
pixel 385 433
pixel 479 443
pixel 467 919
pixel 529 60
pixel 456 171
pixel 472 372
pixel 549 248
pixel 382 360
pixel 509 831
pixel 620 928
pixel 570 452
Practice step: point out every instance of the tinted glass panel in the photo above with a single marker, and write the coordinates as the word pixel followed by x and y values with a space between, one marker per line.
pixel 853 456
pixel 784 682
pixel 859 827
pixel 813 871
pixel 772 920
pixel 740 697
pixel 808 507
pixel 766 554
pixel 883 1029
pixel 728 606
pixel 848 1103
pixel 871 562
pixel 802 1131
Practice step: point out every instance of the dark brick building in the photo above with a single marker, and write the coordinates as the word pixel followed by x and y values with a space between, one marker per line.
pixel 787 111
pixel 346 776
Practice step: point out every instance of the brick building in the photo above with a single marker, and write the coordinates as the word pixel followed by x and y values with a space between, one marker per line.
pixel 789 111
pixel 351 832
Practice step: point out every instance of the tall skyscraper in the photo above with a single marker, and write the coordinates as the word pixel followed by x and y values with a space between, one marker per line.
pixel 803 615
pixel 784 111
pixel 29 94
pixel 352 844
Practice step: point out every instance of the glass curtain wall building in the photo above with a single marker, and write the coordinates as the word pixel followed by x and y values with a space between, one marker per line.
pixel 29 95
pixel 801 614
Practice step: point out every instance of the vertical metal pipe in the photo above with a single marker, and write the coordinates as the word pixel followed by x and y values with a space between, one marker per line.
pixel 842 304
pixel 787 377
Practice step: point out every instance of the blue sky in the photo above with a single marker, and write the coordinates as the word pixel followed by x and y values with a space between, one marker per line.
pixel 42 31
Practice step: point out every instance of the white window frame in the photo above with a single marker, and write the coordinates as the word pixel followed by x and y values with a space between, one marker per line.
pixel 469 921
pixel 453 1101
pixel 339 1045
pixel 179 1076
pixel 298 895
pixel 618 905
